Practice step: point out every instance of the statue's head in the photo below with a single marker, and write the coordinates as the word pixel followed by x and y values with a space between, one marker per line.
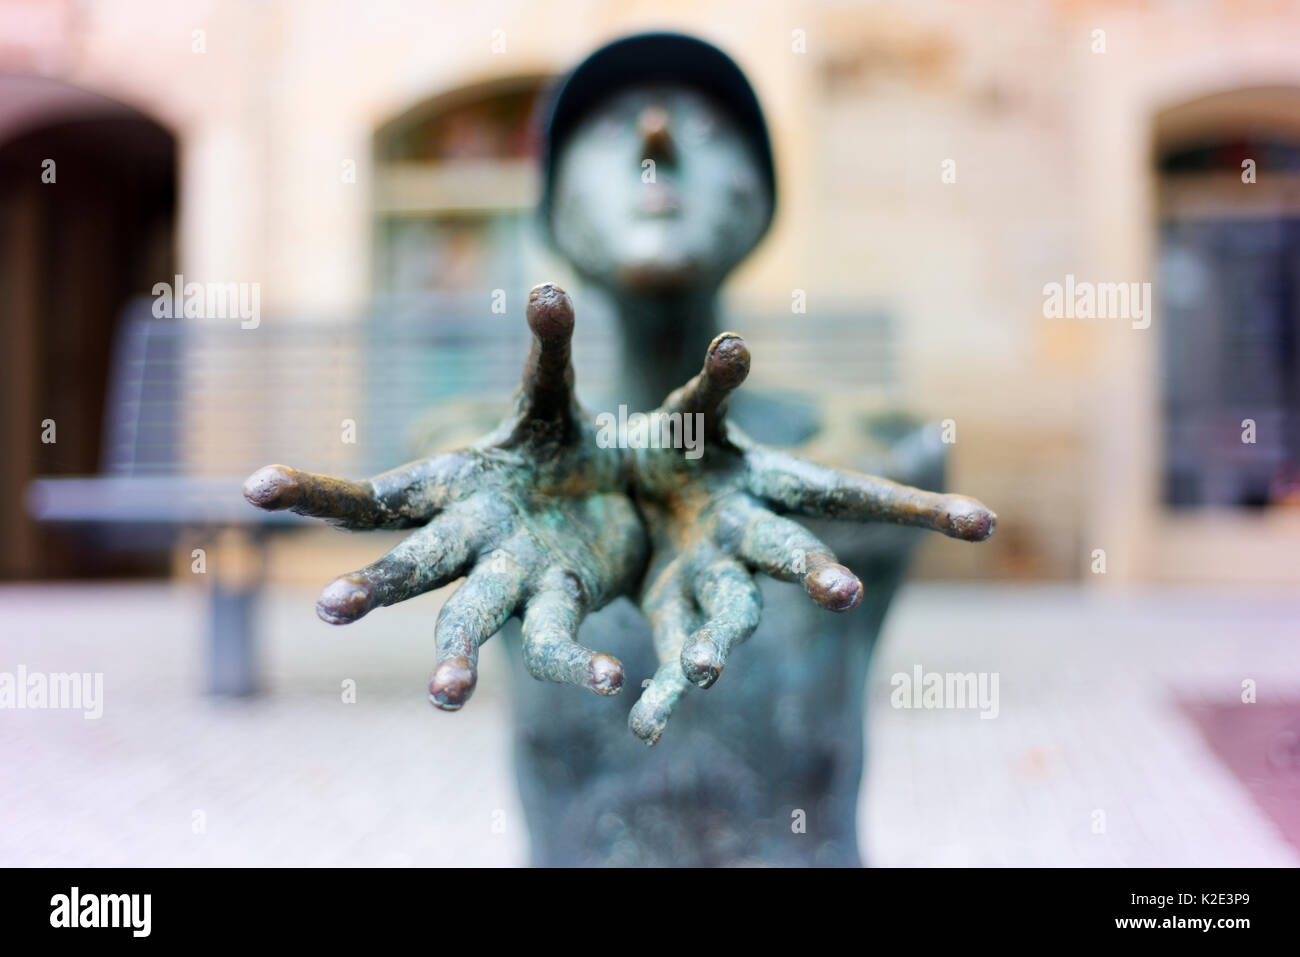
pixel 657 168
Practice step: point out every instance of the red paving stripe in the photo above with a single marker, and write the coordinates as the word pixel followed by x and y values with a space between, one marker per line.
pixel 1260 745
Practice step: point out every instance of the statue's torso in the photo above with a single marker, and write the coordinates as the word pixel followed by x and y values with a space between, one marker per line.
pixel 763 768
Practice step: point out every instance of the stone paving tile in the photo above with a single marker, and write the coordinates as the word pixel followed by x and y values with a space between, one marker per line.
pixel 295 778
pixel 1087 722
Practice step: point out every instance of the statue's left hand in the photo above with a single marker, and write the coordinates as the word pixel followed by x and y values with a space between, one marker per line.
pixel 716 517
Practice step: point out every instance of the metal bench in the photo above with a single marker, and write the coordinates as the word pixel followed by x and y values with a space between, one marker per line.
pixel 195 406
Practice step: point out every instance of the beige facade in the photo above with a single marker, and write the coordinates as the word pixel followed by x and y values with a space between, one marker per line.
pixel 1051 129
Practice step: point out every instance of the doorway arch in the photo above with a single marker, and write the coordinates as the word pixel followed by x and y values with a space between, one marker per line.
pixel 87 221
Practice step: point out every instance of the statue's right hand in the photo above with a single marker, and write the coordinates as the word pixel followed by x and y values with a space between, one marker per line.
pixel 535 516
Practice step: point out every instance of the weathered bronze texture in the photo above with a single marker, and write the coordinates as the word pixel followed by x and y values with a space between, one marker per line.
pixel 545 523
pixel 536 517
pixel 655 190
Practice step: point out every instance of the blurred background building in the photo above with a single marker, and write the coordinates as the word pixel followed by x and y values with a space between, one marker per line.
pixel 939 164
pixel 370 167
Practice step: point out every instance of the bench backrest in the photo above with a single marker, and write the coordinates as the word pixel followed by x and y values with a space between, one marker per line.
pixel 208 397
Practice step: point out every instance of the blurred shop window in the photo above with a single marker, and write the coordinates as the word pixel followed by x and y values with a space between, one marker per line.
pixel 455 184
pixel 1229 287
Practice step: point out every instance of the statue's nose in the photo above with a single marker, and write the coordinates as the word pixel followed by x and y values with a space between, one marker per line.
pixel 656 139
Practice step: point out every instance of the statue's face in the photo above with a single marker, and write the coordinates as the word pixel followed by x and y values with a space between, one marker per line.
pixel 657 191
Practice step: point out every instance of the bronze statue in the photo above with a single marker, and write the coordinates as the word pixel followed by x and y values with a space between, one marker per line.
pixel 548 524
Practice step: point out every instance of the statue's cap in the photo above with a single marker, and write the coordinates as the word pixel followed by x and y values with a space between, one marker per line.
pixel 650 57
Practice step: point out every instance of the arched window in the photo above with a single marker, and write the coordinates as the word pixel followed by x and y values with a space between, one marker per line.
pixel 1229 175
pixel 454 185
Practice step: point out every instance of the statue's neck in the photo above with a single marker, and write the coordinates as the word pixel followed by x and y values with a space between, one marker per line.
pixel 664 341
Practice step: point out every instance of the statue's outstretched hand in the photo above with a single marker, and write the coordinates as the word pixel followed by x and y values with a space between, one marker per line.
pixel 715 518
pixel 536 516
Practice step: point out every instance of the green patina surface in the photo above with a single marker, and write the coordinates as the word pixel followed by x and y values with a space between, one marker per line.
pixel 547 523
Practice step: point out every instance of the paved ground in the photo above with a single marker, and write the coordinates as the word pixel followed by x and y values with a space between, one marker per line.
pixel 1090 760
pixel 1089 722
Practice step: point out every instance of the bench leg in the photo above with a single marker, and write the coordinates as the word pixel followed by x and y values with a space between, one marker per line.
pixel 238 565
pixel 232 645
